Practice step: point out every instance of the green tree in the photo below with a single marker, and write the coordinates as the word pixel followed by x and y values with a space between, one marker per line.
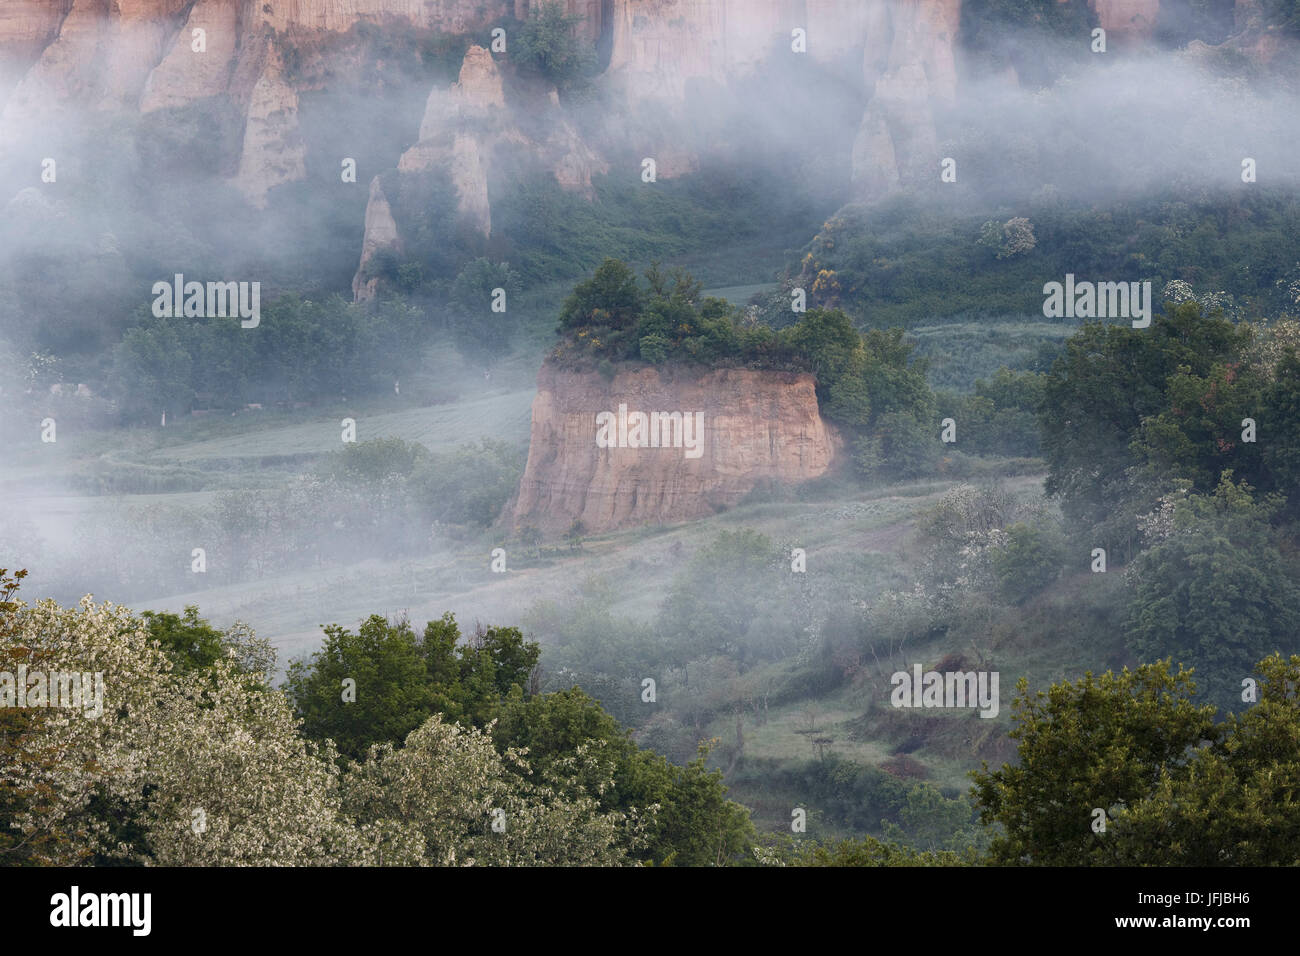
pixel 1236 802
pixel 1100 390
pixel 898 446
pixel 401 678
pixel 478 328
pixel 1176 788
pixel 1281 420
pixel 387 675
pixel 372 461
pixel 701 825
pixel 611 298
pixel 1029 561
pixel 1098 743
pixel 152 373
pixel 1215 592
pixel 546 44
pixel 693 821
pixel 189 640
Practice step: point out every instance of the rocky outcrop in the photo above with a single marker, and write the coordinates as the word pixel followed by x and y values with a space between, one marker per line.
pixel 1127 21
pixel 27 25
pixel 448 16
pixel 185 76
pixel 273 152
pixel 660 58
pixel 664 49
pixel 381 233
pixel 758 426
pixel 460 128
pixel 137 54
pixel 464 128
pixel 660 46
pixel 909 62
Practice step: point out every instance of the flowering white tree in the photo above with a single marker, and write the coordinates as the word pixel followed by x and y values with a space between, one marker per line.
pixel 59 762
pixel 471 805
pixel 208 767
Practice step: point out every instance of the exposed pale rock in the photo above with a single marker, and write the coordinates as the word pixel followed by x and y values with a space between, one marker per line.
pixel 273 152
pixel 479 85
pixel 909 62
pixel 469 173
pixel 451 16
pixel 577 161
pixel 26 26
pixel 136 40
pixel 184 76
pixel 758 426
pixel 658 46
pixel 68 68
pixel 875 166
pixel 463 126
pixel 1127 20
pixel 381 233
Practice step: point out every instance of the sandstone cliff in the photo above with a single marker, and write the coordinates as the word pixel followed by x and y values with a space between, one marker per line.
pixel 757 426
pixel 61 55
pixel 464 129
pixel 909 64
pixel 1127 20
pixel 659 59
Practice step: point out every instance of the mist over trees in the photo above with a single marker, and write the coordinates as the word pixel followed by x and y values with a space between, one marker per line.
pixel 1107 514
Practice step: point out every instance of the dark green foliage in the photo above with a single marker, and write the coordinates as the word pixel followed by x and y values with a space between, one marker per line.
pixel 849 797
pixel 470 485
pixel 1101 742
pixel 1029 561
pixel 301 351
pixel 479 330
pixel 557 234
pixel 868 383
pixel 902 263
pixel 374 460
pixel 900 446
pixel 1175 788
pixel 610 299
pixel 1001 417
pixel 697 823
pixel 402 677
pixel 546 44
pixel 869 851
pixel 1280 419
pixel 191 642
pixel 1107 383
pixel 695 826
pixel 1215 593
pixel 1036 36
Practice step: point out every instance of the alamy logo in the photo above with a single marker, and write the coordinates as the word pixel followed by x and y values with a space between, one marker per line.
pixel 653 430
pixel 103 909
pixel 213 300
pixel 65 689
pixel 1098 300
pixel 949 689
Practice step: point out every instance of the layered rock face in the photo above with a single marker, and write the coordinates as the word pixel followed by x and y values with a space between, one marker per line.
pixel 1127 20
pixel 144 55
pixel 663 48
pixel 757 426
pixel 660 57
pixel 463 129
pixel 908 61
